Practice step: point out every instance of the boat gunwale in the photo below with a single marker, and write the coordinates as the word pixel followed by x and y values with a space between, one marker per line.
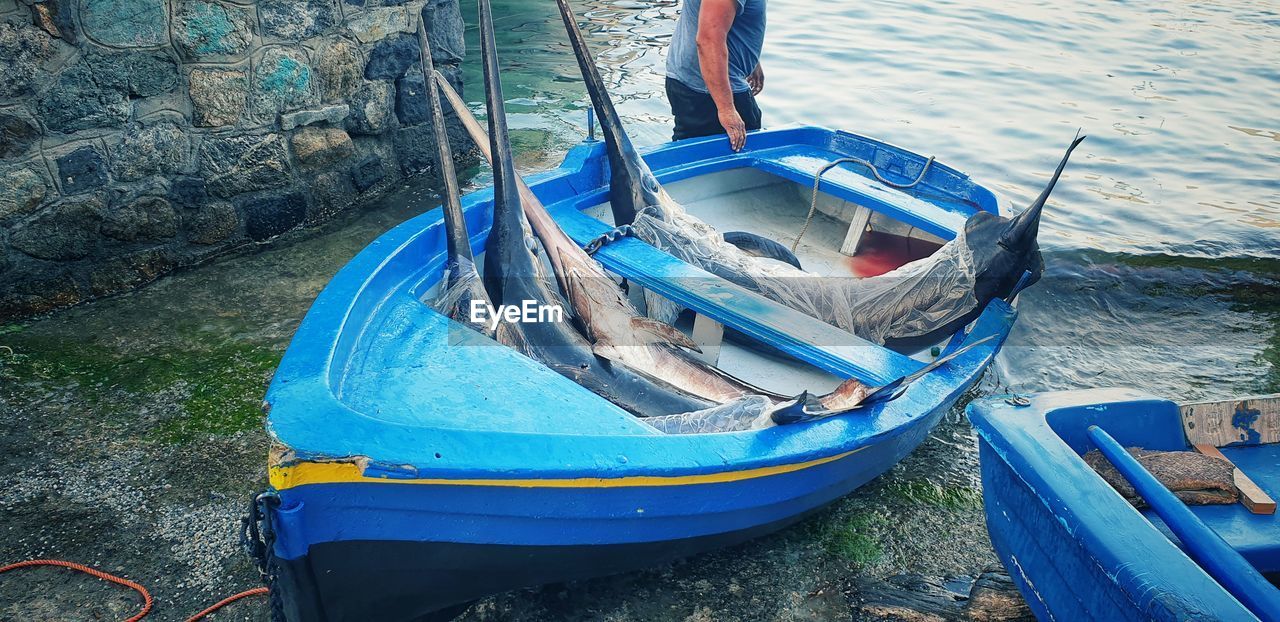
pixel 301 377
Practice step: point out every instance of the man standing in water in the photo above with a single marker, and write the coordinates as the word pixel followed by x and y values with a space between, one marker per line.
pixel 713 69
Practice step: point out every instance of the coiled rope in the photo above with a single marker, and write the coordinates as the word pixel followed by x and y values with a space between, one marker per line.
pixel 817 179
pixel 147 601
pixel 146 596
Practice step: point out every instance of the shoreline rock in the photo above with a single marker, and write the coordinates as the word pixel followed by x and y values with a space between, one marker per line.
pixel 191 128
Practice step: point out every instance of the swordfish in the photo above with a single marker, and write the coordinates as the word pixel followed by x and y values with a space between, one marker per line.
pixel 611 324
pixel 915 306
pixel 515 274
pixel 461 285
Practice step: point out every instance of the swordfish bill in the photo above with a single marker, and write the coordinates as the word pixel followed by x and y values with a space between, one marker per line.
pixel 632 185
pixel 456 240
pixel 514 275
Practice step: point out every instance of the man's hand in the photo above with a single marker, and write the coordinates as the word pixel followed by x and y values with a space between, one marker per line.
pixel 733 125
pixel 756 80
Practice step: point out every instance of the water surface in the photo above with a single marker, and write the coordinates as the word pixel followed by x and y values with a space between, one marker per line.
pixel 1162 240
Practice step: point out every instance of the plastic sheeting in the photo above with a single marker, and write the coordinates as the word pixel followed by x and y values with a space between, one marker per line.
pixel 909 301
pixel 458 287
pixel 748 413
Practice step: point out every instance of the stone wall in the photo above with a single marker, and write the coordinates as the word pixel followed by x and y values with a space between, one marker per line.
pixel 139 136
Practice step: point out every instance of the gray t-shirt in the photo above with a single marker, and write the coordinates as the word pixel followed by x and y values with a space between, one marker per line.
pixel 746 38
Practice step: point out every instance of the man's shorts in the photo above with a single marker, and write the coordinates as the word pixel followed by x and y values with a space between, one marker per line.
pixel 696 113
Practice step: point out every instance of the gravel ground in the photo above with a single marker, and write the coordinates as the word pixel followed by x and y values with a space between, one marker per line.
pixel 133 440
pixel 117 506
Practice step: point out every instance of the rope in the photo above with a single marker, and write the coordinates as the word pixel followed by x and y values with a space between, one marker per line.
pixel 146 596
pixel 147 601
pixel 817 179
pixel 612 235
pixel 227 601
pixel 619 232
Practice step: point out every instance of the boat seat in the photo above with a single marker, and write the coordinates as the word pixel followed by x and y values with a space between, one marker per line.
pixel 951 197
pixel 848 182
pixel 808 339
pixel 1255 536
pixel 942 216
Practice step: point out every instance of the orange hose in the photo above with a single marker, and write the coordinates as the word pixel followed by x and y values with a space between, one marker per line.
pixel 146 596
pixel 227 601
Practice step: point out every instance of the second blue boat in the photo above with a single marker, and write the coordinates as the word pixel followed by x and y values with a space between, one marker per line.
pixel 1078 550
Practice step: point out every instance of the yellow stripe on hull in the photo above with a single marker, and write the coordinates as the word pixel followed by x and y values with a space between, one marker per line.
pixel 305 473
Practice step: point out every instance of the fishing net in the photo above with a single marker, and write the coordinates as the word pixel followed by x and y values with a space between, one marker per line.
pixel 459 285
pixel 1195 478
pixel 748 413
pixel 461 282
pixel 912 300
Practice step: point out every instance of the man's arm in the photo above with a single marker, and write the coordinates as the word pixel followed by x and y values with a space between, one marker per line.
pixel 714 20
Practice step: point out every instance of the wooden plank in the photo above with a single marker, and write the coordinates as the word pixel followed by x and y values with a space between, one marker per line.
pixel 992 596
pixel 1247 420
pixel 857 226
pixel 1251 495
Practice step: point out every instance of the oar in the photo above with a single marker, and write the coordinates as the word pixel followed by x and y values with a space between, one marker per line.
pixel 1202 544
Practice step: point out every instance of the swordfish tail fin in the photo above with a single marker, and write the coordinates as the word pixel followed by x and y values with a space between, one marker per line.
pixel 1024 227
pixel 632 186
pixel 457 241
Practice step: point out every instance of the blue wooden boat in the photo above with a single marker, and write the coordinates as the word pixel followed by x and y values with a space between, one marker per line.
pixel 1079 551
pixel 410 476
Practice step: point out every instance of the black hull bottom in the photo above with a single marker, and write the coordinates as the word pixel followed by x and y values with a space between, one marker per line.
pixel 435 581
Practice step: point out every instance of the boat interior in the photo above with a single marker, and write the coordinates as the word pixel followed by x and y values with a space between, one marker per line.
pixel 1247 432
pixel 1255 536
pixel 400 356
pixel 754 200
